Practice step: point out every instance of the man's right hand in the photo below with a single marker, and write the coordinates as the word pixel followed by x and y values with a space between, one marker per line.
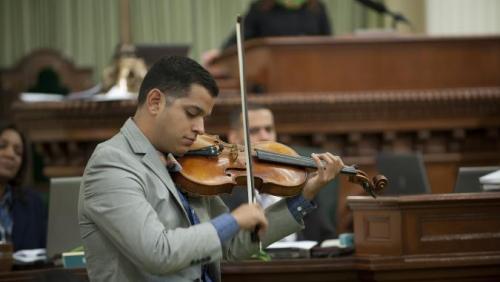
pixel 250 216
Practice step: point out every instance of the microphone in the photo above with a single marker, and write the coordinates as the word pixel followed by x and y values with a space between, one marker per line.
pixel 382 9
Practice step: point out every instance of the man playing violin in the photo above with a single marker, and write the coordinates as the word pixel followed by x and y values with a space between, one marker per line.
pixel 137 225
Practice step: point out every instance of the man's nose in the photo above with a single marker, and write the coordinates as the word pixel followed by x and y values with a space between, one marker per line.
pixel 199 126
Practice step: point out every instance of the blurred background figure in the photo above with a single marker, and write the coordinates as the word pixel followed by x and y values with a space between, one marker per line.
pixel 261 129
pixel 267 18
pixel 320 223
pixel 23 216
pixel 125 74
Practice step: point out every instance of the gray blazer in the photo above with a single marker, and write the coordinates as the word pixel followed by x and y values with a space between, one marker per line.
pixel 134 227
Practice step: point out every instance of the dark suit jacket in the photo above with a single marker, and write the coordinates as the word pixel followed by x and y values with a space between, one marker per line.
pixel 29 215
pixel 320 223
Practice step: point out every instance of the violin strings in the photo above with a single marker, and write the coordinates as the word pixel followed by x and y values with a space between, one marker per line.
pixel 289 159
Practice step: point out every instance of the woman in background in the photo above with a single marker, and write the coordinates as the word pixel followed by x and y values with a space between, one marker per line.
pixel 23 216
pixel 284 18
pixel 269 18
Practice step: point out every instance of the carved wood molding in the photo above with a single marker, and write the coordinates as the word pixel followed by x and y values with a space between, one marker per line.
pixel 453 125
pixel 339 112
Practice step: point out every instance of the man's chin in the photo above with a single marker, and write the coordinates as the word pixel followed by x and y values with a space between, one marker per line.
pixel 181 151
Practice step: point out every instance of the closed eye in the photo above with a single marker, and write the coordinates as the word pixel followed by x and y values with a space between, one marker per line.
pixel 193 112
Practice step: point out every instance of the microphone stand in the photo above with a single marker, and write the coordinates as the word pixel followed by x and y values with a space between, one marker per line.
pixel 397 18
pixel 382 9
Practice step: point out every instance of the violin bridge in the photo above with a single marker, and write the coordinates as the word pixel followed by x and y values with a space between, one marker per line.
pixel 233 153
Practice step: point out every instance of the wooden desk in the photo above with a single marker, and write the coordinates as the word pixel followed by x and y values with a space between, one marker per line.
pixel 281 65
pixel 43 274
pixel 453 237
pixel 477 268
pixel 427 225
pixel 342 269
pixel 446 237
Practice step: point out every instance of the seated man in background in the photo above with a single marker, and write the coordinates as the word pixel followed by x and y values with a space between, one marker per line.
pixel 320 223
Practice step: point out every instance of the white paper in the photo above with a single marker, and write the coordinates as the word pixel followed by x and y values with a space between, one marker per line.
pixel 40 97
pixel 304 245
pixel 28 256
pixel 331 243
pixel 490 178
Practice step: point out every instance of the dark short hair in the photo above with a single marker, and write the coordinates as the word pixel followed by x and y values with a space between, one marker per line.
pixel 175 75
pixel 235 116
pixel 21 173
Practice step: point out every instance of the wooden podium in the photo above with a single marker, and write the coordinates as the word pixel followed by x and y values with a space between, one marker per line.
pixel 283 65
pixel 443 236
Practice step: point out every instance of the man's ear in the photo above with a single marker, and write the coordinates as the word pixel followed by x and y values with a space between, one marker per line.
pixel 155 101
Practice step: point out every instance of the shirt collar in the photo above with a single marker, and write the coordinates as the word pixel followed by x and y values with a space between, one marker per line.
pixel 172 164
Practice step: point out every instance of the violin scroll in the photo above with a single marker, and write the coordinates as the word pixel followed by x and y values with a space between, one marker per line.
pixel 374 187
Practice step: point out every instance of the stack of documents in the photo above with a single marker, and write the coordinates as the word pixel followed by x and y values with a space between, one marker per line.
pixel 288 250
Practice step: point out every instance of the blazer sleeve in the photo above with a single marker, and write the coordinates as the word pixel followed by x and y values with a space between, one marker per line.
pixel 281 224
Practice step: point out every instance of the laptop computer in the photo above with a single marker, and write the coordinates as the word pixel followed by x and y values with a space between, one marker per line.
pixel 406 173
pixel 468 178
pixel 63 232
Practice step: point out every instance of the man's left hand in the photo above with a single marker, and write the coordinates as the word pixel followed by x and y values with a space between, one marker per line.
pixel 328 167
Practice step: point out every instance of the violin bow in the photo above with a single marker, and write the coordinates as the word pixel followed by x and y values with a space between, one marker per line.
pixel 244 114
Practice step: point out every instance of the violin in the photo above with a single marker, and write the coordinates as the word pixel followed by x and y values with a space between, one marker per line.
pixel 212 167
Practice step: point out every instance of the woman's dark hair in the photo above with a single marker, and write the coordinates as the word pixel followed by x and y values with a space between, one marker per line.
pixel 21 173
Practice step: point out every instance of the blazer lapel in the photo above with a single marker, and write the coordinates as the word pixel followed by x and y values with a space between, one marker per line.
pixel 152 160
pixel 141 146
